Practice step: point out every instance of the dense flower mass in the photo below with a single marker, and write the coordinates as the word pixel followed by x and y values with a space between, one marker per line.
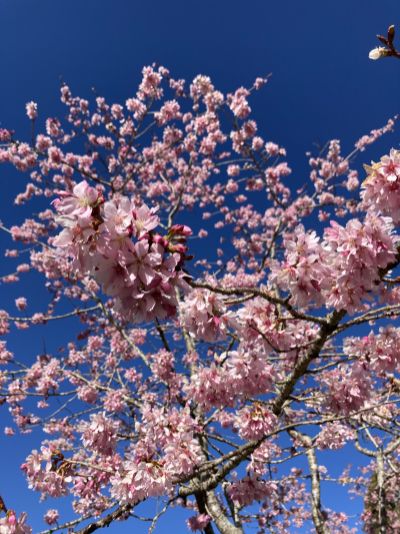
pixel 343 269
pixel 205 315
pixel 114 242
pixel 100 434
pixel 255 422
pixel 382 185
pixel 356 253
pixel 221 327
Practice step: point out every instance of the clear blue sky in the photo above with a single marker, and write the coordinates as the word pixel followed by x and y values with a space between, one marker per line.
pixel 323 86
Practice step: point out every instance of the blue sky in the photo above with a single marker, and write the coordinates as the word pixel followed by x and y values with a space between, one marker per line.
pixel 323 85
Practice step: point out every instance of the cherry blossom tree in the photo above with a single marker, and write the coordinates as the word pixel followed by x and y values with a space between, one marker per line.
pixel 229 322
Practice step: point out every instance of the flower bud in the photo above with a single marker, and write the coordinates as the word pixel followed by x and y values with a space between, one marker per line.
pixel 391 33
pixel 160 240
pixel 180 229
pixel 178 247
pixel 377 53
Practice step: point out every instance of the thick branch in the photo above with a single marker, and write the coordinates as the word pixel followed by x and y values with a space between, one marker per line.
pixel 316 507
pixel 302 365
pixel 380 475
pixel 219 517
pixel 106 521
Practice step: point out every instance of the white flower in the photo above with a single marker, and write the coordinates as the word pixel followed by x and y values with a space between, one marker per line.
pixel 377 53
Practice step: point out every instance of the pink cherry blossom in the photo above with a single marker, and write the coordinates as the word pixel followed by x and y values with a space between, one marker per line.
pixel 31 110
pixel 100 434
pixel 254 422
pixel 13 525
pixel 51 516
pixel 205 316
pixel 218 323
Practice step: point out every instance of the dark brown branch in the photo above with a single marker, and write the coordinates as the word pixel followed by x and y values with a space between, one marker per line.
pixel 106 521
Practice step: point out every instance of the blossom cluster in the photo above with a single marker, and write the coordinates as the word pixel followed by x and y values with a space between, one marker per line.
pixel 114 242
pixel 342 270
pixel 205 315
pixel 381 188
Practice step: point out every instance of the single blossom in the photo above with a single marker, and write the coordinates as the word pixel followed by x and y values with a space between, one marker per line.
pixel 31 110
